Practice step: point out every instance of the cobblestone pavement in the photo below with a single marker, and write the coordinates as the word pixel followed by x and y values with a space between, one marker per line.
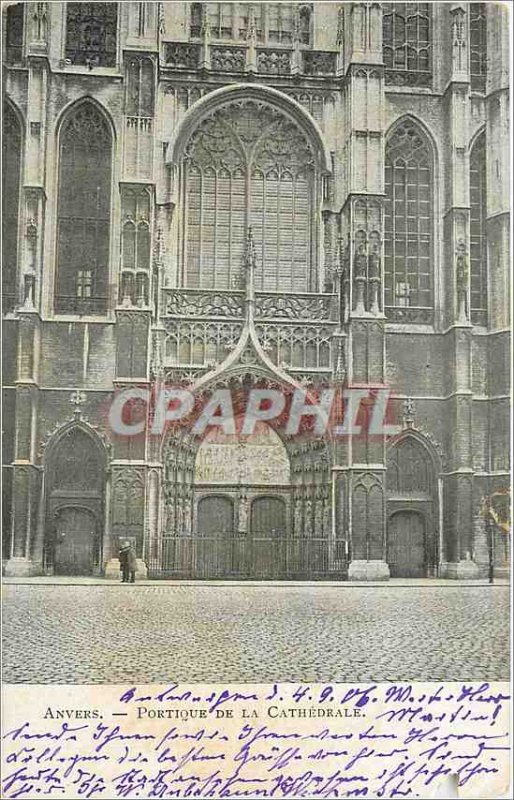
pixel 144 634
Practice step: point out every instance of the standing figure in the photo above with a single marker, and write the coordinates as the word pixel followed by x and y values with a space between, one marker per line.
pixel 128 563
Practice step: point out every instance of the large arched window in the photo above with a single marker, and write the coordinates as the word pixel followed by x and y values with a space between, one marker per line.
pixel 11 154
pixel 83 215
pixel 249 165
pixel 477 46
pixel 407 44
pixel 408 225
pixel 478 240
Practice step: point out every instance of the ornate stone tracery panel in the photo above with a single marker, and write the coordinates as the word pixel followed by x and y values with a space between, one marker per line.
pixel 246 164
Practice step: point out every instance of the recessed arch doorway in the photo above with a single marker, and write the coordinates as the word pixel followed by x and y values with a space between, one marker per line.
pixel 75 487
pixel 412 508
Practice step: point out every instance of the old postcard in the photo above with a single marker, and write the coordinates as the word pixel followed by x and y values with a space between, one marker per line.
pixel 256 369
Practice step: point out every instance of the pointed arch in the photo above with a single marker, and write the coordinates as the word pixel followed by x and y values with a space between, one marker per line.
pixel 413 523
pixel 75 462
pixel 250 157
pixel 68 431
pixel 409 222
pixel 478 228
pixel 74 105
pixel 432 449
pixel 12 159
pixel 86 143
pixel 422 128
pixel 240 92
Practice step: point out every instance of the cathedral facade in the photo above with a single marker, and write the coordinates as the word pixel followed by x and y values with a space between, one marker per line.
pixel 236 195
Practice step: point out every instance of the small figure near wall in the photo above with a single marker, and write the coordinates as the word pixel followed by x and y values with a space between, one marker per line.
pixel 127 563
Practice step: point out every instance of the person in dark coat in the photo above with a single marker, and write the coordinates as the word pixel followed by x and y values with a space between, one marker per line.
pixel 127 563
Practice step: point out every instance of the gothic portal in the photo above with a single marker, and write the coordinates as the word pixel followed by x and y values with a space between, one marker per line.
pixel 244 195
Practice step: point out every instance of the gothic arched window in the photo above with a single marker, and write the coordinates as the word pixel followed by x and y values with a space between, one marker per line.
pixel 91 30
pixel 406 36
pixel 477 46
pixel 14 33
pixel 11 154
pixel 249 165
pixel 408 255
pixel 478 239
pixel 83 213
pixel 135 246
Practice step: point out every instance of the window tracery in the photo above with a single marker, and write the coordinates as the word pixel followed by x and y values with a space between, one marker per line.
pixel 408 225
pixel 249 164
pixel 407 42
pixel 135 246
pixel 83 215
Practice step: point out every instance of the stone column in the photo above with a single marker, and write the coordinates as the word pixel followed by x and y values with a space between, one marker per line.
pixel 361 457
pixel 26 556
pixel 458 560
pixel 26 559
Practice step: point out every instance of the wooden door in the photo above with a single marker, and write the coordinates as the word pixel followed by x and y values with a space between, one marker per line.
pixel 213 542
pixel 406 545
pixel 75 537
pixel 268 537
